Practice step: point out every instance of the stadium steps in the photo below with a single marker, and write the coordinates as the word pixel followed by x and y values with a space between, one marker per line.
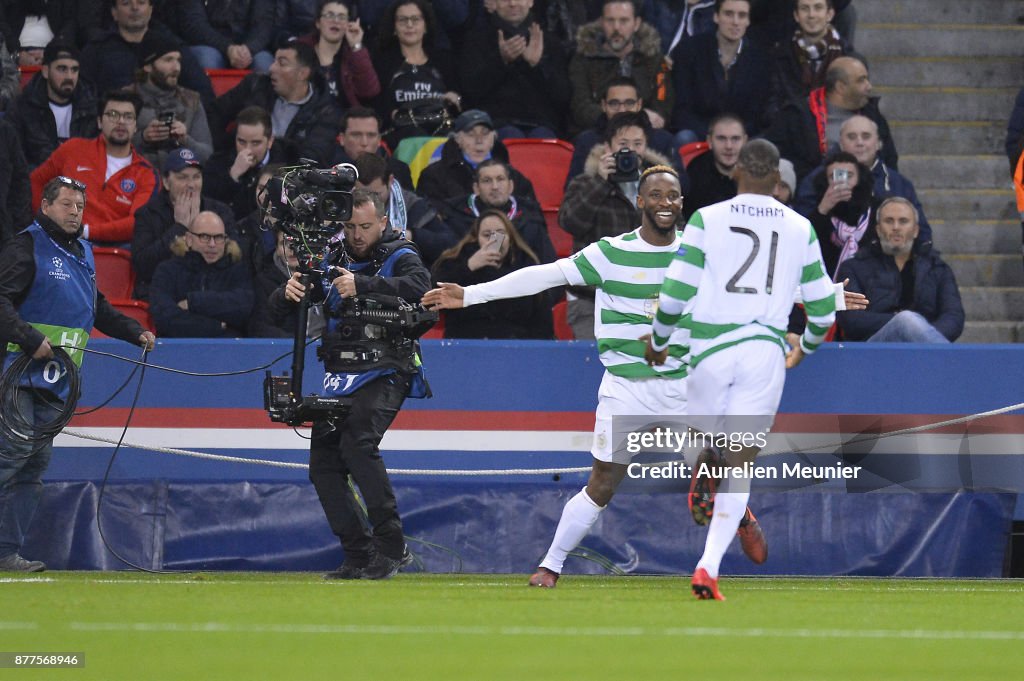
pixel 974 269
pixel 951 137
pixel 994 72
pixel 975 236
pixel 993 12
pixel 942 171
pixel 891 39
pixel 948 72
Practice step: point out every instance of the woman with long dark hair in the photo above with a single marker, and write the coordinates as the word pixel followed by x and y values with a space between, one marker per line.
pixel 491 249
pixel 345 62
pixel 844 217
pixel 418 78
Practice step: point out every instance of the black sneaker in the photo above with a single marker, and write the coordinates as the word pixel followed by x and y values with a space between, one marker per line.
pixel 346 571
pixel 383 567
pixel 15 563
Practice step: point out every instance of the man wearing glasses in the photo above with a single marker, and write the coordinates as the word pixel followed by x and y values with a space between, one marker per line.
pixel 48 298
pixel 169 215
pixel 118 180
pixel 620 42
pixel 206 290
pixel 622 94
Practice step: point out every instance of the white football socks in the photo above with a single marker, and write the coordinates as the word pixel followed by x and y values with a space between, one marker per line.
pixel 578 516
pixel 729 510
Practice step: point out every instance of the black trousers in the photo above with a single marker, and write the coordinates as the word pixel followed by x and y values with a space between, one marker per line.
pixel 350 446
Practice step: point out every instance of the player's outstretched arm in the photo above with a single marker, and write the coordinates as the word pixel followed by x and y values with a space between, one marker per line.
pixel 853 300
pixel 523 282
pixel 445 297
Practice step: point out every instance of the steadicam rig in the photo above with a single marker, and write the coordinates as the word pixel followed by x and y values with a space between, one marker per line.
pixel 308 205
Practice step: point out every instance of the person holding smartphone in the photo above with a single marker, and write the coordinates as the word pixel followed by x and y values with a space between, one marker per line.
pixel 172 116
pixel 491 249
pixel 844 216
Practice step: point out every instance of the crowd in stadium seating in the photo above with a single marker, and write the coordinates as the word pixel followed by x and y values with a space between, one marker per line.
pixel 122 99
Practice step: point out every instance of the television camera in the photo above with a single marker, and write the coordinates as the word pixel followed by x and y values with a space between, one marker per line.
pixel 309 205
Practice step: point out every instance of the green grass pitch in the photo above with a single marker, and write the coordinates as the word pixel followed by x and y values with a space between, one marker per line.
pixel 258 626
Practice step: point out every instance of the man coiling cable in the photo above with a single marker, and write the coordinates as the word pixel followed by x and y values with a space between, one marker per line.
pixel 48 301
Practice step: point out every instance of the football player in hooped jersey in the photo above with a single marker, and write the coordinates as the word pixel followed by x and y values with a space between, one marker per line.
pixel 736 274
pixel 48 298
pixel 628 271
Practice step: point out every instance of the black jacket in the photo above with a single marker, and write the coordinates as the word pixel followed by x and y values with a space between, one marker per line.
pixel 451 176
pixel 261 323
pixel 795 133
pixel 18 271
pixel 788 75
pixel 15 188
pixel 156 231
pixel 702 90
pixel 239 196
pixel 311 133
pixel 528 220
pixel 109 62
pixel 516 93
pixel 849 212
pixel 221 23
pixel 660 140
pixel 871 272
pixel 216 294
pixel 68 19
pixel 707 185
pixel 525 317
pixel 397 167
pixel 30 114
pixel 430 231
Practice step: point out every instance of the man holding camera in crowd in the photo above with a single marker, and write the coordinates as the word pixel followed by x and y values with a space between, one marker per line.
pixel 602 201
pixel 379 263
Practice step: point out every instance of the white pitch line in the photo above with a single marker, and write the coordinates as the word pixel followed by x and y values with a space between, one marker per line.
pixel 19 626
pixel 447 630
pixel 516 580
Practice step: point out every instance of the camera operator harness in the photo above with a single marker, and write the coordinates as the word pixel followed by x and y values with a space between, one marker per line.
pixel 367 336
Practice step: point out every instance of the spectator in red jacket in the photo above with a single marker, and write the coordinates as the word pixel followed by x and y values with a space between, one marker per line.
pixel 118 179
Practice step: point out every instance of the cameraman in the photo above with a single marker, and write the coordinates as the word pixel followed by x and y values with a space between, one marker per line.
pixel 382 262
pixel 602 201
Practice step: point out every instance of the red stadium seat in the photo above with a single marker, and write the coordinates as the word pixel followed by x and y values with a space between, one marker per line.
pixel 560 315
pixel 690 151
pixel 560 239
pixel 223 80
pixel 545 163
pixel 136 309
pixel 27 72
pixel 115 276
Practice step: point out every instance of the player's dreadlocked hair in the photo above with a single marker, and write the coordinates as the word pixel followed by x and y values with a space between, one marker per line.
pixel 760 158
pixel 654 170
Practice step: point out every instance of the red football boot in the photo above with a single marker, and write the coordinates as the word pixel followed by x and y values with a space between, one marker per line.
pixel 544 578
pixel 752 541
pixel 705 588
